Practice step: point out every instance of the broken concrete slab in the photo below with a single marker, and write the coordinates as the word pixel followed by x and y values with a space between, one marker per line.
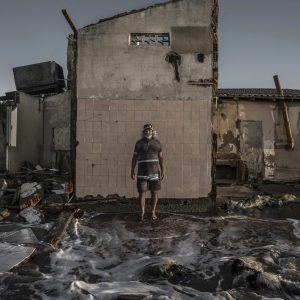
pixel 23 236
pixel 12 255
pixel 32 215
pixel 31 194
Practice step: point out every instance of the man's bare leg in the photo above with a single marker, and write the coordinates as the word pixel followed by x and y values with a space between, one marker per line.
pixel 142 199
pixel 154 199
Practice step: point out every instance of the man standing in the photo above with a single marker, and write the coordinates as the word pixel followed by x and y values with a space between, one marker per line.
pixel 148 155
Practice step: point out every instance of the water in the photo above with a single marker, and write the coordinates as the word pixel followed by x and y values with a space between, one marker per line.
pixel 230 256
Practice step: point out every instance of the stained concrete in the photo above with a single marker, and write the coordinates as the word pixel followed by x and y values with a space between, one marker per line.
pixel 29 133
pixel 269 156
pixel 120 87
pixel 56 131
pixel 109 68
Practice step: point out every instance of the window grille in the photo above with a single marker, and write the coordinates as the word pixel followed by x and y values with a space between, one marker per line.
pixel 150 39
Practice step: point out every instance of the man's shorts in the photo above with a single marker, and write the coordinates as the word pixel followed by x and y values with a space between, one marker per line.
pixel 145 185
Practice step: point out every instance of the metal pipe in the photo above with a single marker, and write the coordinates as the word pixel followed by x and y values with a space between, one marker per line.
pixel 289 134
pixel 69 21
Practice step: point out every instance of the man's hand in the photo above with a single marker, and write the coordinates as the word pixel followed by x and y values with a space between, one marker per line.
pixel 132 175
pixel 162 175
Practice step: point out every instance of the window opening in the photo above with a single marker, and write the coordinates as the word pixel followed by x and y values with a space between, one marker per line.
pixel 150 39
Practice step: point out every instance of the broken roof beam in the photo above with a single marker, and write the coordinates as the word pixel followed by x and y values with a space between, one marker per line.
pixel 289 134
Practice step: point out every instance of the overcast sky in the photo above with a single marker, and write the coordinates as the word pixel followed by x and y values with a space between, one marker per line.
pixel 257 38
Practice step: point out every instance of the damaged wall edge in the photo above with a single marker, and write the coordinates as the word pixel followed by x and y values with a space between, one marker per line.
pixel 72 77
pixel 215 75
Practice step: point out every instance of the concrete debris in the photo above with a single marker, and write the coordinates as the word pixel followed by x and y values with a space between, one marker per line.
pixel 12 255
pixel 167 269
pixel 4 213
pixel 289 197
pixel 242 264
pixel 23 236
pixel 32 215
pixel 30 194
pixel 261 202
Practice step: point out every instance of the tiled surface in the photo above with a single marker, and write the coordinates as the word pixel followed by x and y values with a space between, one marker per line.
pixel 108 129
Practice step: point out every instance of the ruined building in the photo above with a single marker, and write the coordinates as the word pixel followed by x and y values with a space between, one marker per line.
pixel 156 65
pixel 257 135
pixel 35 119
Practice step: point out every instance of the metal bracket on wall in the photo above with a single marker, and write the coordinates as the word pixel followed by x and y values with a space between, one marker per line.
pixel 175 60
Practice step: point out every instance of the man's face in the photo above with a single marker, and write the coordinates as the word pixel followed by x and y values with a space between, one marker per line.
pixel 148 133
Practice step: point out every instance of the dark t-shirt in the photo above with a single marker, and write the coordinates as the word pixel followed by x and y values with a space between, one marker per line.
pixel 147 152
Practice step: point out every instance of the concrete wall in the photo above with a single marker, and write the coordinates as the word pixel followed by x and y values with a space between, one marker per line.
pixel 2 138
pixel 56 133
pixel 121 87
pixel 29 133
pixel 276 163
pixel 287 162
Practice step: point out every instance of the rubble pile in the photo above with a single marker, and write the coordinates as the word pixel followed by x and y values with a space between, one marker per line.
pixel 261 202
pixel 34 187
pixel 31 202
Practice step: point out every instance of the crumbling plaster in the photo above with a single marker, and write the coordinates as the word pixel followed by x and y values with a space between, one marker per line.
pixel 109 68
pixel 278 163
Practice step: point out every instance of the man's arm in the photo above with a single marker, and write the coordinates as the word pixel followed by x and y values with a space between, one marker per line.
pixel 133 164
pixel 161 165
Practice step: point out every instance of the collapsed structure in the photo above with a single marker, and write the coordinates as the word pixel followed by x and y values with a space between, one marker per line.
pixel 35 120
pixel 257 139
